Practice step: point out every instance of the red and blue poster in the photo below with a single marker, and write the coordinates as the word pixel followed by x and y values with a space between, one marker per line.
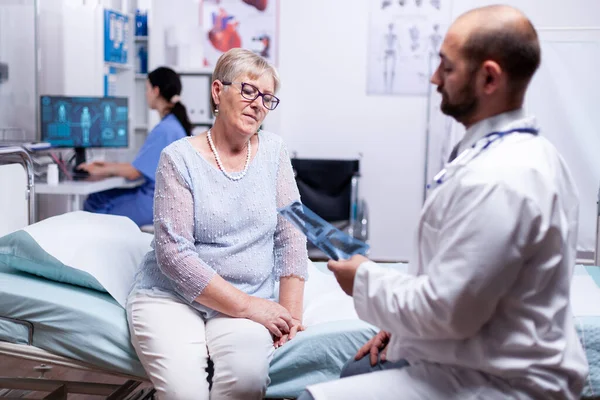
pixel 250 24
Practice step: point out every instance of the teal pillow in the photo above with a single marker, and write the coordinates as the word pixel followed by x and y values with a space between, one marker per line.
pixel 19 250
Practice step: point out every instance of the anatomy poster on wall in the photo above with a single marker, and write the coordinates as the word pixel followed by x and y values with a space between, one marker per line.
pixel 250 24
pixel 402 36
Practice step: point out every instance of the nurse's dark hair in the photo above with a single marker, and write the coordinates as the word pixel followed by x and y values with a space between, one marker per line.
pixel 169 85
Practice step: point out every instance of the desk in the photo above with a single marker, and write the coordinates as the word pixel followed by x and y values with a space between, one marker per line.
pixel 75 189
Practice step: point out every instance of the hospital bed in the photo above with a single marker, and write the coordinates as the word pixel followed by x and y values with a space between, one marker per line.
pixel 81 328
pixel 71 326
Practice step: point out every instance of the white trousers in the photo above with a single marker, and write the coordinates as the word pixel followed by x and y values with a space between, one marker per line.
pixel 416 382
pixel 174 343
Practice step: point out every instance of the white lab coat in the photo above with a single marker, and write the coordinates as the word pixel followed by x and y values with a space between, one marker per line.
pixel 485 304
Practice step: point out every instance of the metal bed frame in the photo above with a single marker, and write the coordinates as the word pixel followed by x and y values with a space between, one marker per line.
pixel 60 389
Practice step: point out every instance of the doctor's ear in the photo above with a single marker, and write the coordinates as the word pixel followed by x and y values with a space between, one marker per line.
pixel 493 74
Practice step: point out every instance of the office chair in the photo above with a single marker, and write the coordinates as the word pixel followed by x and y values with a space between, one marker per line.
pixel 330 189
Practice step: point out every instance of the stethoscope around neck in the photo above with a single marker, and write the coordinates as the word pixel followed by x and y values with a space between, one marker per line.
pixel 469 154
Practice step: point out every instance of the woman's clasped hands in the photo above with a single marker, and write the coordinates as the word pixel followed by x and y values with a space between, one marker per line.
pixel 276 318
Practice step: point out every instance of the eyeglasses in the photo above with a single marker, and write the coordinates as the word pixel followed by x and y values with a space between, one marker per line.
pixel 251 92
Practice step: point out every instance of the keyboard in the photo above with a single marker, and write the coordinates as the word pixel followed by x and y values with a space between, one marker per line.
pixel 79 174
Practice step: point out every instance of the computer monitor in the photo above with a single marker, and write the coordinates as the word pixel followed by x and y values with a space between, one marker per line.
pixel 83 122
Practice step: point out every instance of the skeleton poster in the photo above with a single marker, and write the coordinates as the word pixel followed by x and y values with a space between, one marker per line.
pixel 403 36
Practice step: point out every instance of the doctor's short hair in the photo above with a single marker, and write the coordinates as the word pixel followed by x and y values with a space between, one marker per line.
pixel 517 51
pixel 237 62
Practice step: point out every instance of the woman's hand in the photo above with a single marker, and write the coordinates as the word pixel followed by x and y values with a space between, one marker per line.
pixel 104 168
pixel 296 327
pixel 95 168
pixel 273 316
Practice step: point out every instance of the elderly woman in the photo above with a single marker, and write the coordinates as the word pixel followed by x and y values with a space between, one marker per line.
pixel 206 290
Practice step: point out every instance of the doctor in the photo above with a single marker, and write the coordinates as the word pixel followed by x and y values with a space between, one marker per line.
pixel 484 311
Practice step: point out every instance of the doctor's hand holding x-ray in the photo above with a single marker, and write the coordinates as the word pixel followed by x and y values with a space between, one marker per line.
pixel 345 271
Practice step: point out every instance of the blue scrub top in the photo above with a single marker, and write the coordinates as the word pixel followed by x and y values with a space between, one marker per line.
pixel 166 132
pixel 137 203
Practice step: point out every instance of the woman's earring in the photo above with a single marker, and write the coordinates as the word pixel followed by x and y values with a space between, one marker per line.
pixel 216 112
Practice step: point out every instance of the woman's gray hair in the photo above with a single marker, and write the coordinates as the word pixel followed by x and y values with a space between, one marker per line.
pixel 237 62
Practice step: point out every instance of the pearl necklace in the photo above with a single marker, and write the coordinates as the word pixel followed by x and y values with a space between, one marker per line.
pixel 241 174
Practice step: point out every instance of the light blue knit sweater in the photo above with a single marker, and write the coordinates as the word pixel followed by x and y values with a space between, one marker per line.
pixel 207 224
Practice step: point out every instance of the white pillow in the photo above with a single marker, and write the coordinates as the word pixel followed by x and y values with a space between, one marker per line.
pixel 107 247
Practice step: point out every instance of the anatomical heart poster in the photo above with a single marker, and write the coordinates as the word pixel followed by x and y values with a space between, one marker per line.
pixel 250 24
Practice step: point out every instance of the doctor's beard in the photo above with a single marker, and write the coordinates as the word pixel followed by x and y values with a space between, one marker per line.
pixel 466 102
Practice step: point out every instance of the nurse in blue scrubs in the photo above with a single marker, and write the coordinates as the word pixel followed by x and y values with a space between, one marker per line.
pixel 163 89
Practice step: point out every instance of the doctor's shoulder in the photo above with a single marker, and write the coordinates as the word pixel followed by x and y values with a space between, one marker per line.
pixel 527 168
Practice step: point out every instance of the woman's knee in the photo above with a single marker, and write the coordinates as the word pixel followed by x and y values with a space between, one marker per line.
pixel 181 391
pixel 169 339
pixel 246 377
pixel 251 382
pixel 241 351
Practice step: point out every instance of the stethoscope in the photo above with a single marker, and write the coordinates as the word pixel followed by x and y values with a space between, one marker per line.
pixel 469 154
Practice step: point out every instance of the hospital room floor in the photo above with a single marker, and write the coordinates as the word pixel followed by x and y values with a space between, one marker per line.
pixel 16 367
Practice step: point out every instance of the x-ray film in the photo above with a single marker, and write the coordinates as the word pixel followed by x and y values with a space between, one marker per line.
pixel 333 242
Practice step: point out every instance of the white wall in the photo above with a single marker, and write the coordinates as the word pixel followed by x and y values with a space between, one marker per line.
pixel 51 47
pixel 545 13
pixel 564 96
pixel 71 49
pixel 174 26
pixel 17 49
pixel 325 111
